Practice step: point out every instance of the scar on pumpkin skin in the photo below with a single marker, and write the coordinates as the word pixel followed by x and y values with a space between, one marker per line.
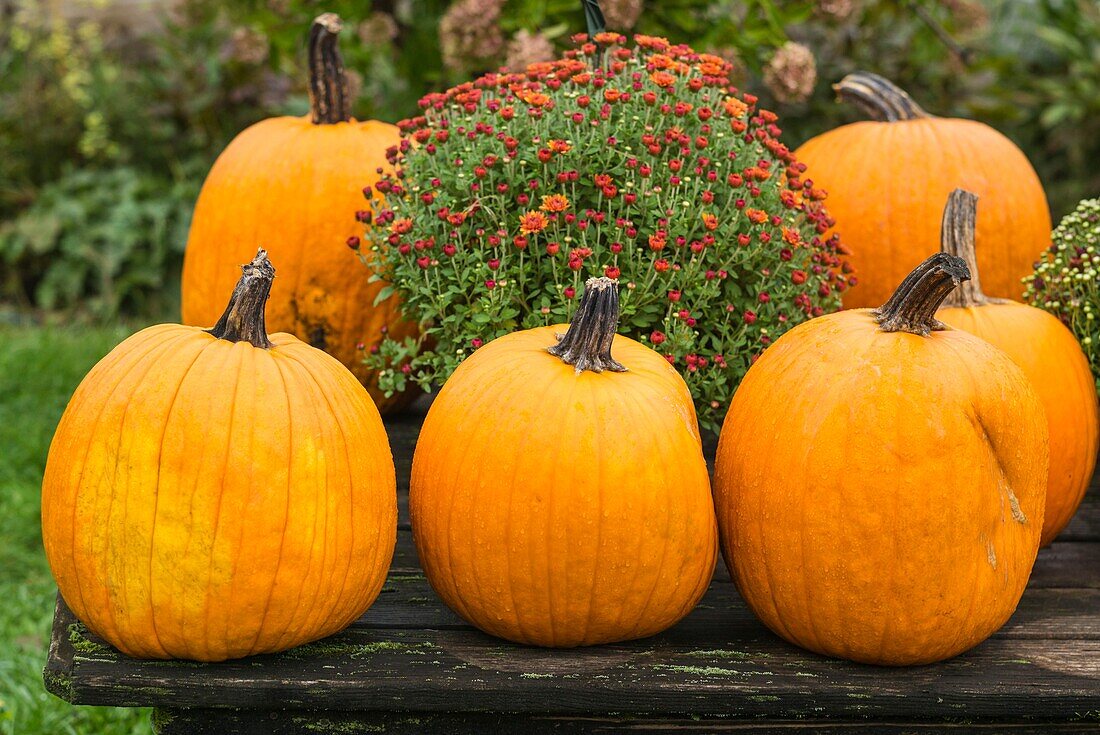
pixel 1014 504
pixel 990 554
pixel 1013 501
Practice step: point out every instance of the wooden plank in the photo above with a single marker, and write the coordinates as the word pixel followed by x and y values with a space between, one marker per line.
pixel 408 603
pixel 1085 526
pixel 299 722
pixel 719 661
pixel 1068 564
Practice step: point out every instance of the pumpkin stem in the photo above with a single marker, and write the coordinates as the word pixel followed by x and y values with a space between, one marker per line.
pixel 879 98
pixel 586 345
pixel 593 17
pixel 957 237
pixel 243 318
pixel 328 85
pixel 913 306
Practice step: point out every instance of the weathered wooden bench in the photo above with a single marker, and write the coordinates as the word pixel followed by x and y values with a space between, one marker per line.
pixel 410 665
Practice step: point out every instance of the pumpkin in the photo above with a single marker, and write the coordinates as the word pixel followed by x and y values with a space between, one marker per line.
pixel 211 494
pixel 879 481
pixel 888 178
pixel 559 495
pixel 293 185
pixel 1046 351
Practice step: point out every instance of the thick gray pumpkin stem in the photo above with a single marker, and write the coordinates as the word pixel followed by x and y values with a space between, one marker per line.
pixel 878 97
pixel 913 306
pixel 958 237
pixel 328 85
pixel 586 345
pixel 243 319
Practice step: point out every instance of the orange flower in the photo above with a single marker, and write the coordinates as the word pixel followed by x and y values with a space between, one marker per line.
pixel 535 99
pixel 710 221
pixel 582 78
pixel 608 37
pixel 401 226
pixel 712 70
pixel 758 216
pixel 661 61
pixel 559 146
pixel 662 79
pixel 735 107
pixel 791 236
pixel 532 222
pixel 652 42
pixel 554 203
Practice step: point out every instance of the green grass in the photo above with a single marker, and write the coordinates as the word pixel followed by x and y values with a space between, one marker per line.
pixel 39 369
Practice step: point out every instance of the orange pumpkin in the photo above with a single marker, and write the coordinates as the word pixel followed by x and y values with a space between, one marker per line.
pixel 1046 351
pixel 293 185
pixel 559 495
pixel 888 178
pixel 879 481
pixel 211 494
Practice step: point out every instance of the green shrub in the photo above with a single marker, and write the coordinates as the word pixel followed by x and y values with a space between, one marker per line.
pixel 106 239
pixel 512 190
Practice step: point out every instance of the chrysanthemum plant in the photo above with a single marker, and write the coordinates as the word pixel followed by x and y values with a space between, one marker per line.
pixel 1066 281
pixel 637 161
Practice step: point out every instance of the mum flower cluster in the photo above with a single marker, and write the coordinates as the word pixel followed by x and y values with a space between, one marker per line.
pixel 1067 278
pixel 639 162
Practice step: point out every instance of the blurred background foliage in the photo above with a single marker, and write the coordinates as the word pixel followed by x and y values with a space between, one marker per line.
pixel 111 112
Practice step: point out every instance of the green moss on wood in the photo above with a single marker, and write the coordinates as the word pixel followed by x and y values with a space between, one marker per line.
pixel 78 639
pixel 325 725
pixel 160 719
pixel 700 670
pixel 723 653
pixel 59 685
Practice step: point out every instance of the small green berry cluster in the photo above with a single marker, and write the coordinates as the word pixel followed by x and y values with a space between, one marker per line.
pixel 1066 282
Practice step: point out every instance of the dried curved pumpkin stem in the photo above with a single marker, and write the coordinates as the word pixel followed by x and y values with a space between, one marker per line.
pixel 878 97
pixel 913 306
